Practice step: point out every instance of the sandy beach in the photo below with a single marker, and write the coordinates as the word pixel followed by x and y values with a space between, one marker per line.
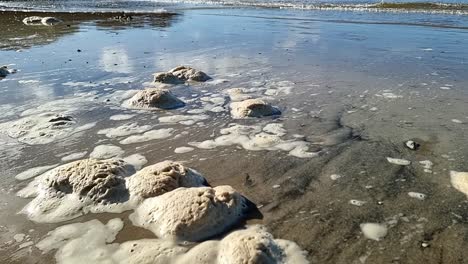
pixel 329 136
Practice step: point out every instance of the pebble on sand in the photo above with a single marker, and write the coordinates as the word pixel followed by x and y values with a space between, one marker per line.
pixel 459 181
pixel 4 71
pixel 416 195
pixel 374 231
pixel 413 145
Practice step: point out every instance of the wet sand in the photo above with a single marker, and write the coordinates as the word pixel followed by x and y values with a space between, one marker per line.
pixel 354 92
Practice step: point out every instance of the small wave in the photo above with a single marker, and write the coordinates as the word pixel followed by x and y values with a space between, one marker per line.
pixel 397 7
pixel 149 6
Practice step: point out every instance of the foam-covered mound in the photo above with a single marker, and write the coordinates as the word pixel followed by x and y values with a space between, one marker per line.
pixel 185 73
pixel 191 213
pixel 154 98
pixel 77 188
pixel 253 108
pixel 248 246
pixel 163 177
pixel 255 245
pixel 98 180
pixel 166 77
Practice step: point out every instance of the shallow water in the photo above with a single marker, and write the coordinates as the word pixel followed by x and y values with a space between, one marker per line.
pixel 353 86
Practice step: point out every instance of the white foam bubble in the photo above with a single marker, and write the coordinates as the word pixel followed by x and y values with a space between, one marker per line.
pixel 106 152
pixel 124 130
pixel 74 156
pixel 401 162
pixel 217 81
pixel 181 118
pixel 252 138
pixel 122 117
pixel 275 128
pixel 91 242
pixel 39 129
pixel 136 160
pixel 82 242
pixel 389 95
pixel 335 177
pixel 85 127
pixel 183 149
pixel 149 135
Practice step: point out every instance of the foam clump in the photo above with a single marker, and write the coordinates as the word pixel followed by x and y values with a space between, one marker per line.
pixel 257 138
pixel 41 129
pixel 253 108
pixel 89 242
pixel 191 214
pixel 255 245
pixel 154 98
pixel 75 188
pixel 181 74
pixel 163 177
pixel 459 181
pixel 149 135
